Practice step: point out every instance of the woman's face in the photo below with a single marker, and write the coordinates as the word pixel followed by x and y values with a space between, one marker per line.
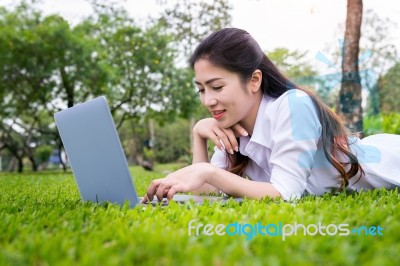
pixel 226 97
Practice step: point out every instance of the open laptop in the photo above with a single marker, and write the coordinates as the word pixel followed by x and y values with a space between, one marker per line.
pixel 97 159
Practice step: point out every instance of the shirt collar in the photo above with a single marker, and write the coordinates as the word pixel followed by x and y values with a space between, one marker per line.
pixel 260 132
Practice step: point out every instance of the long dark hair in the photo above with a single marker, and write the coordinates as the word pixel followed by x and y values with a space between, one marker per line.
pixel 235 50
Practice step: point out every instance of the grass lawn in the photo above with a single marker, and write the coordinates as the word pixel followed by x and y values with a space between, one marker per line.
pixel 43 222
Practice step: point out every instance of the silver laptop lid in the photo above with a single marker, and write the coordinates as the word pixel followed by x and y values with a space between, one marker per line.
pixel 95 153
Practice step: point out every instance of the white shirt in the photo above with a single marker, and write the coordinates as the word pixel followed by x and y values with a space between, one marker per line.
pixel 285 149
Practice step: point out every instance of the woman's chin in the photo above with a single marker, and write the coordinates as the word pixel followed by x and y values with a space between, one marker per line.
pixel 226 124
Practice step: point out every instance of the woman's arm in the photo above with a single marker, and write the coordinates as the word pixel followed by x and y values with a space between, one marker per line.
pixel 238 186
pixel 223 138
pixel 200 151
pixel 195 176
pixel 200 155
pixel 222 180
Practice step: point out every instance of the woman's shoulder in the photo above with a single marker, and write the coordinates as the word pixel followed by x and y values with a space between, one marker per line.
pixel 290 101
pixel 294 112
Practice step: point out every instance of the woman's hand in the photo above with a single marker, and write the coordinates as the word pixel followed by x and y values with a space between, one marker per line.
pixel 186 179
pixel 223 138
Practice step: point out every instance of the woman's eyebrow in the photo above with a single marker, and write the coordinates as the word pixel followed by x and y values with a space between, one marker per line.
pixel 207 82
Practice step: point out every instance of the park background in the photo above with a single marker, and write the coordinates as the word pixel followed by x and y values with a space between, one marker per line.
pixel 54 55
pixel 49 63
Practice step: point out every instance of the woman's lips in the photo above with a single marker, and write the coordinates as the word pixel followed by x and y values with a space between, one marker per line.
pixel 218 114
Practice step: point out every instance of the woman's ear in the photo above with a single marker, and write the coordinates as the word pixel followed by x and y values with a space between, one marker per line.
pixel 255 81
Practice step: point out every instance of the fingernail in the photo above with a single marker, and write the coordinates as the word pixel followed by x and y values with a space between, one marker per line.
pixel 220 141
pixel 237 149
pixel 244 133
pixel 231 151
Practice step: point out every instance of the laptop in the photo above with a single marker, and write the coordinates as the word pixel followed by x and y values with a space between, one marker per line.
pixel 96 157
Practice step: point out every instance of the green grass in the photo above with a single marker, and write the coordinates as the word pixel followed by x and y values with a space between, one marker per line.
pixel 43 222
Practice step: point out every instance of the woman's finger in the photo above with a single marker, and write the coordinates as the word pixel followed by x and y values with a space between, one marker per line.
pixel 144 199
pixel 151 191
pixel 232 139
pixel 215 137
pixel 239 131
pixel 171 192
pixel 175 189
pixel 165 186
pixel 224 139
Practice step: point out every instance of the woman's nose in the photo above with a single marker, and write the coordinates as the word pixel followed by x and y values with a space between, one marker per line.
pixel 209 99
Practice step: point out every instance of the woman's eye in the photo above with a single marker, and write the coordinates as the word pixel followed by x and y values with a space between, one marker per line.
pixel 217 88
pixel 200 91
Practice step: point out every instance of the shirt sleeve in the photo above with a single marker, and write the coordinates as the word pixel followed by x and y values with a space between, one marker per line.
pixel 219 159
pixel 296 131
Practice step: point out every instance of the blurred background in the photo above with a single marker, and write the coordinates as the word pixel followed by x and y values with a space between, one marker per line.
pixel 55 54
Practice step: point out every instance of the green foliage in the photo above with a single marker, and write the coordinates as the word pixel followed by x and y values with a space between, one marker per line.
pixel 45 65
pixel 378 44
pixel 378 53
pixel 43 222
pixel 172 141
pixel 292 63
pixel 148 154
pixel 43 153
pixel 190 22
pixel 382 123
pixel 389 89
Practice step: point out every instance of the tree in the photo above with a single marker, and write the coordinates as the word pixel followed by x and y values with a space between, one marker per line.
pixel 295 66
pixel 170 146
pixel 45 66
pixel 292 63
pixel 44 63
pixel 377 55
pixel 349 105
pixel 389 89
pixel 190 22
pixel 26 70
pixel 143 74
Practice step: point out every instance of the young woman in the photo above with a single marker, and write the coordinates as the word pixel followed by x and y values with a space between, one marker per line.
pixel 272 138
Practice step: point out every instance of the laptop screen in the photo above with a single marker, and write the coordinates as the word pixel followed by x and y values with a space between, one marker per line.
pixel 95 153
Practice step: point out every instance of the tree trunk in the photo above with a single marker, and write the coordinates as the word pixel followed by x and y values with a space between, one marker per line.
pixel 349 106
pixel 148 164
pixel 150 125
pixel 34 164
pixel 68 87
pixel 11 165
pixel 136 153
pixel 20 165
pixel 18 158
pixel 60 147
